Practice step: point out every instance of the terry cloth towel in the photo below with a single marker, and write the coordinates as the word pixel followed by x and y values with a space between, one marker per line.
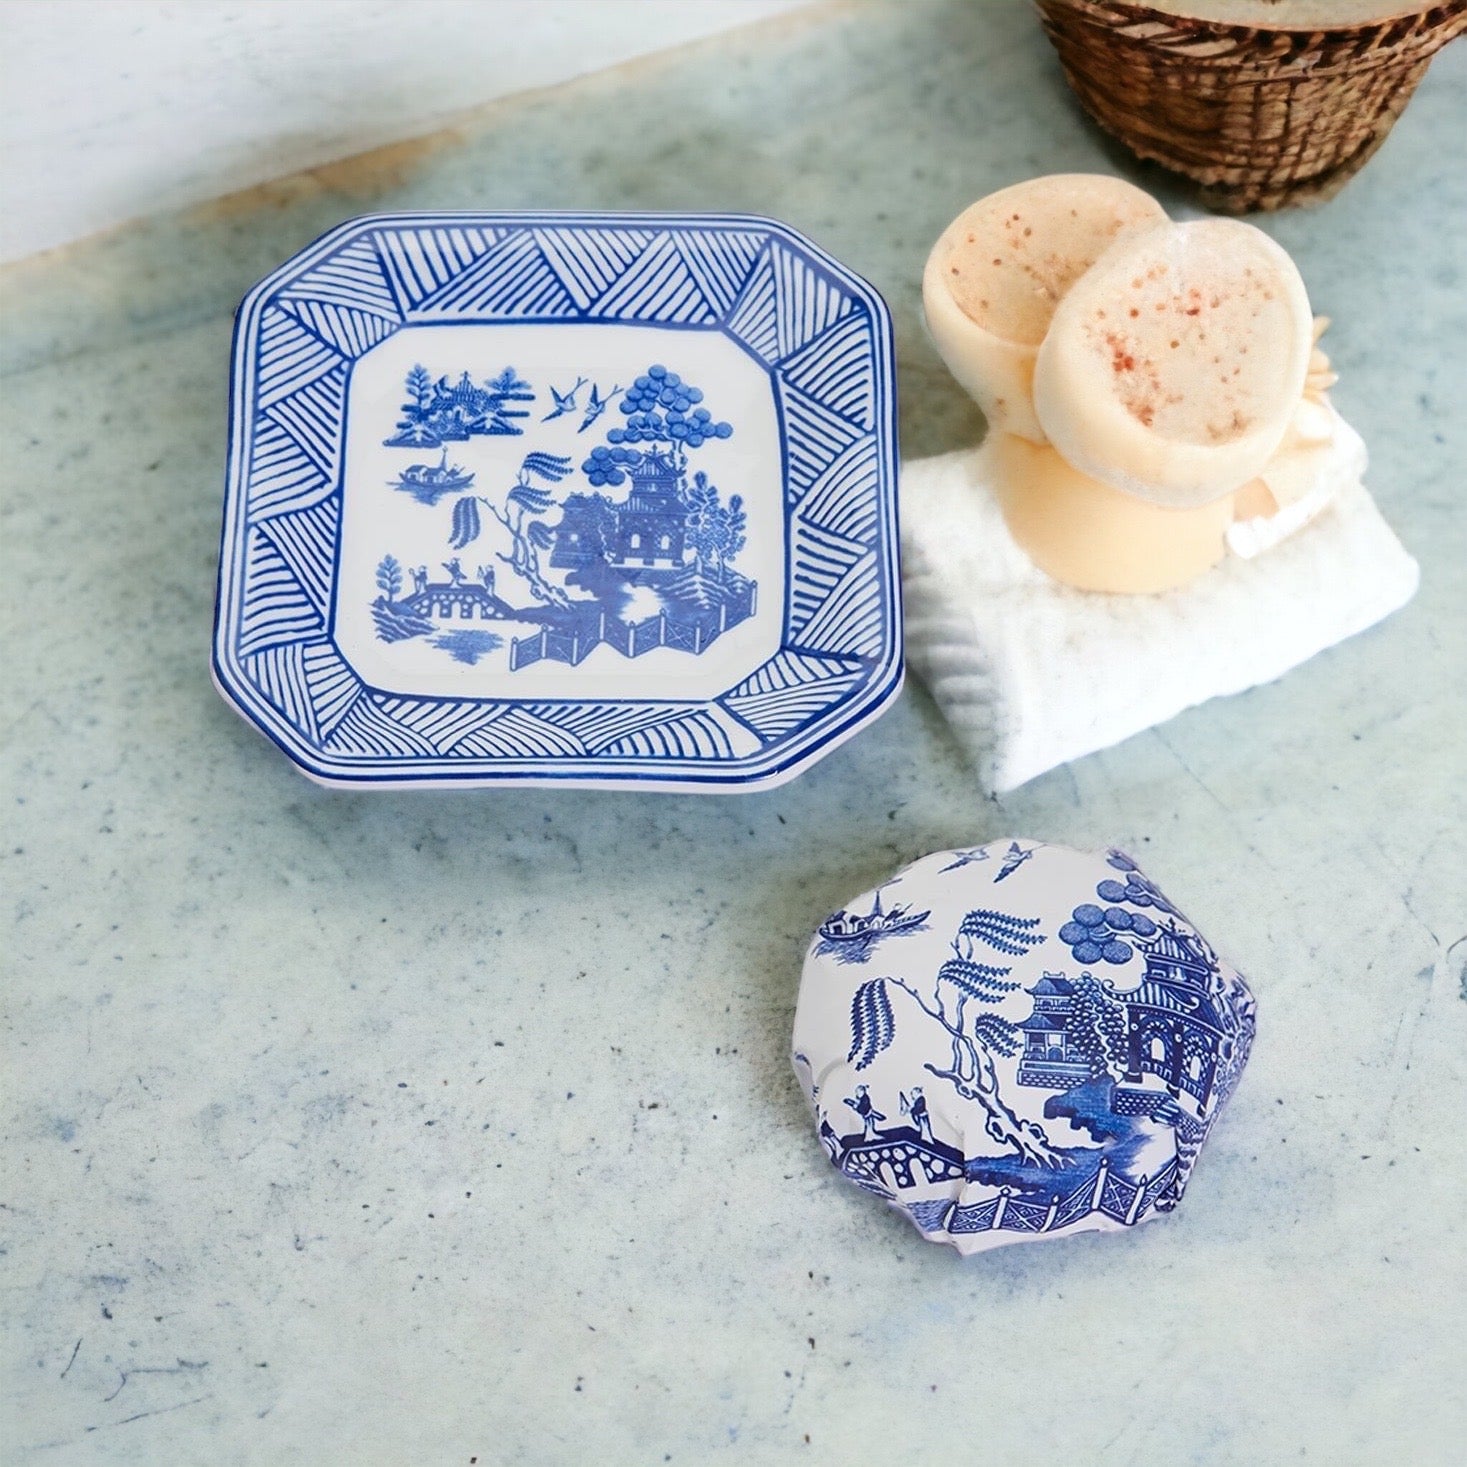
pixel 1031 674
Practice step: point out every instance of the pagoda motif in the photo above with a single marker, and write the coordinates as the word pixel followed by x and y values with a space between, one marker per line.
pixel 1175 1028
pixel 648 532
pixel 652 524
pixel 1052 1057
pixel 1172 1027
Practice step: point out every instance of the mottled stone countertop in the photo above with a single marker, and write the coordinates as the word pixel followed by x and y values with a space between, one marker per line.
pixel 410 1128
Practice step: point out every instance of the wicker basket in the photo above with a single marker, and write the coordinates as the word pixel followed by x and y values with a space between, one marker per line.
pixel 1264 114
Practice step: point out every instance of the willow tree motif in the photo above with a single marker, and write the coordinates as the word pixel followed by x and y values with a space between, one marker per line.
pixel 872 1025
pixel 1003 931
pixel 962 1003
pixel 523 505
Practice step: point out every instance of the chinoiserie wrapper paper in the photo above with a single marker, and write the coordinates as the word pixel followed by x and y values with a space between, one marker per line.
pixel 1031 674
pixel 1018 1041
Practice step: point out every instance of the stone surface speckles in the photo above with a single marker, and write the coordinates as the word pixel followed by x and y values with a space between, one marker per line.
pixel 235 1001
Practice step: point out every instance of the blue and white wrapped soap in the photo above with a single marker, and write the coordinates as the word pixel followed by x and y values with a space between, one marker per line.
pixel 1018 1041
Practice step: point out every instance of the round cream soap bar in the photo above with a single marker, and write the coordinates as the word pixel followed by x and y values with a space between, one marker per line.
pixel 1173 367
pixel 1001 267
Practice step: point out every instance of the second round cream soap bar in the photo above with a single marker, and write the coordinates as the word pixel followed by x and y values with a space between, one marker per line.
pixel 995 277
pixel 1173 367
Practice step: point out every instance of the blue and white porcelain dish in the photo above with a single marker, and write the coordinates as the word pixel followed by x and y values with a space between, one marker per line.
pixel 589 499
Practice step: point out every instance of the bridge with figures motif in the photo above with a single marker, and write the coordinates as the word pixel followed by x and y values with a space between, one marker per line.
pixel 462 600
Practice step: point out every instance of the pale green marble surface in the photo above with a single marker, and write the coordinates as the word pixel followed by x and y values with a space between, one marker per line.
pixel 414 1128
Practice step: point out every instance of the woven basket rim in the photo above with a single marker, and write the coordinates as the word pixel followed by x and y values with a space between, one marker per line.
pixel 1422 20
pixel 1250 57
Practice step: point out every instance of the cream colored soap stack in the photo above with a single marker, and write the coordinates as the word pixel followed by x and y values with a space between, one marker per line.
pixel 1145 381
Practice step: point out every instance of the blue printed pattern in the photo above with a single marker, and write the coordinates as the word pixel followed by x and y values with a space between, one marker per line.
pixel 825 338
pixel 1121 1064
pixel 579 561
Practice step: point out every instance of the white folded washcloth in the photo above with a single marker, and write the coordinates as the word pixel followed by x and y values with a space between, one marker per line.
pixel 1031 673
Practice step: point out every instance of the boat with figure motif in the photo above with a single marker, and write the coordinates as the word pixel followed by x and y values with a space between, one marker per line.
pixel 429 482
pixel 848 927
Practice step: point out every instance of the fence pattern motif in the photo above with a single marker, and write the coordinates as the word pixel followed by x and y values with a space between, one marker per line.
pixel 824 336
pixel 632 638
pixel 1106 1193
pixel 889 1163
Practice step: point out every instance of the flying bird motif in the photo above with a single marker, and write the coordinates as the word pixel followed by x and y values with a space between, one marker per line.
pixel 967 858
pixel 565 402
pixel 596 406
pixel 1015 858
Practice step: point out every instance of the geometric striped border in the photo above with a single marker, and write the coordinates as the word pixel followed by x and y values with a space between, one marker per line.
pixel 822 333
